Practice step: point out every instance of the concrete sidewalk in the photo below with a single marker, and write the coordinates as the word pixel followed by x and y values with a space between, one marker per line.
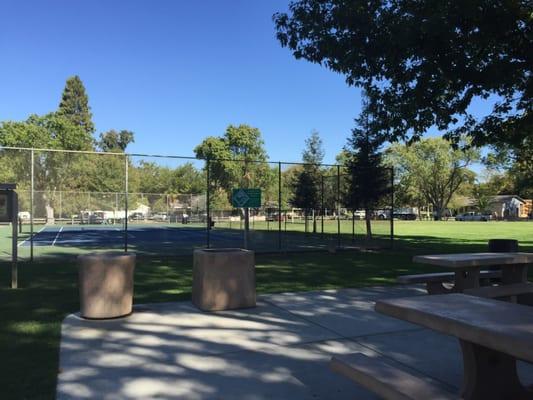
pixel 279 350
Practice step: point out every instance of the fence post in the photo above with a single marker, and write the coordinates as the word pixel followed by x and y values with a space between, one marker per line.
pixel 392 208
pixel 338 206
pixel 60 205
pixel 279 205
pixel 322 204
pixel 207 205
pixel 126 187
pixel 32 182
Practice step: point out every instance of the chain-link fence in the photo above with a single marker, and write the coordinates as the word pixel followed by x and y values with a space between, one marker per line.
pixel 73 202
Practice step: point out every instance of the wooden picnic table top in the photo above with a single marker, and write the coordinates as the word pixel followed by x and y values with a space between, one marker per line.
pixel 471 260
pixel 498 325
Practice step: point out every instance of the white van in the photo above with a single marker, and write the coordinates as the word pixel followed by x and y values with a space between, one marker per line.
pixel 24 215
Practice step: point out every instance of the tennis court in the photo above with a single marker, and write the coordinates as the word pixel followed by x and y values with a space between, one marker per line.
pixel 155 238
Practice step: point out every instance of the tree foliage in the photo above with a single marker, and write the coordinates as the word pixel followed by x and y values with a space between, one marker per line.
pixel 368 179
pixel 433 169
pixel 116 141
pixel 307 185
pixel 74 105
pixel 423 62
pixel 236 159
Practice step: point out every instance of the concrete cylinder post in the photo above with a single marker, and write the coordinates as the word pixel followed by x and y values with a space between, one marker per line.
pixel 106 284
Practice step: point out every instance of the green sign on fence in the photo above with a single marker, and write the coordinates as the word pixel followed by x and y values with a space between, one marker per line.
pixel 242 198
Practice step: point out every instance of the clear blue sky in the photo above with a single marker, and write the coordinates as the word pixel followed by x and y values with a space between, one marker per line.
pixel 173 72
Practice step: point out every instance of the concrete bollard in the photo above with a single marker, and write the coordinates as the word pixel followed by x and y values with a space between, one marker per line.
pixel 106 284
pixel 223 279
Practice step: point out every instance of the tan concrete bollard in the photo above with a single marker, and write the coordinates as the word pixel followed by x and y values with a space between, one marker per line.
pixel 223 279
pixel 106 284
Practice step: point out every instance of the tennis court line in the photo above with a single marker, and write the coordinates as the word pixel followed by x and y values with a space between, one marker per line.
pixel 58 233
pixel 34 234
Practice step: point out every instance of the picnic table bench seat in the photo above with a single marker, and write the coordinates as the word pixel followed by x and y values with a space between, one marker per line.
pixel 442 277
pixel 503 291
pixel 434 281
pixel 390 382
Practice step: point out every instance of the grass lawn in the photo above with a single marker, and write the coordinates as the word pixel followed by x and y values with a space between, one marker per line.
pixel 31 316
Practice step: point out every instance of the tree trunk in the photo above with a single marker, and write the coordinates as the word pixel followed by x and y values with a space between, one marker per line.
pixel 368 224
pixel 438 213
pixel 314 221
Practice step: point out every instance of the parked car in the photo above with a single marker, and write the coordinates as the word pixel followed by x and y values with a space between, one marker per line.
pixel 160 217
pixel 274 216
pixel 136 216
pixel 24 216
pixel 473 216
pixel 359 214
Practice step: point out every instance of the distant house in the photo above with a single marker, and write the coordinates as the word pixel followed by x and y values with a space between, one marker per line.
pixel 508 207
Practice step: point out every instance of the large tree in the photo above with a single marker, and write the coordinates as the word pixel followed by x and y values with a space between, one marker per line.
pixel 423 62
pixel 433 168
pixel 515 166
pixel 237 159
pixel 53 171
pixel 74 104
pixel 368 180
pixel 116 141
pixel 307 185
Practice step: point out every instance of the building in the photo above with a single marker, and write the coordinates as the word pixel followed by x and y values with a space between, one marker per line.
pixel 508 207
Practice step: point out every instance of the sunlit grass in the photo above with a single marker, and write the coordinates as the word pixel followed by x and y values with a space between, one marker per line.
pixel 30 317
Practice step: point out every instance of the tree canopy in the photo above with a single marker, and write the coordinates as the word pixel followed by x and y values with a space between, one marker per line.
pixel 368 180
pixel 423 62
pixel 74 104
pixel 236 159
pixel 432 169
pixel 114 141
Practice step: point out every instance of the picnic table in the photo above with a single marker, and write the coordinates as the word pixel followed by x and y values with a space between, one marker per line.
pixel 493 335
pixel 467 268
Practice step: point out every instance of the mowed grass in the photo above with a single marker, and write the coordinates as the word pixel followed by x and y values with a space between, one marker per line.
pixel 31 315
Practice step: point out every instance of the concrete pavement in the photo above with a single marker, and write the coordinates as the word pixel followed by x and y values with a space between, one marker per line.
pixel 279 350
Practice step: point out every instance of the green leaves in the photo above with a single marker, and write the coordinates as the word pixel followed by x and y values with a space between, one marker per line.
pixel 431 171
pixel 236 159
pixel 423 62
pixel 74 105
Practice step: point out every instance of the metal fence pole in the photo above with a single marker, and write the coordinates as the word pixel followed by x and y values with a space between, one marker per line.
pixel 279 205
pixel 392 207
pixel 322 204
pixel 207 205
pixel 32 182
pixel 338 206
pixel 126 204
pixel 353 225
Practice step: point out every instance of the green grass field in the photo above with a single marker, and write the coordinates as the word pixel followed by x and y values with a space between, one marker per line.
pixel 31 315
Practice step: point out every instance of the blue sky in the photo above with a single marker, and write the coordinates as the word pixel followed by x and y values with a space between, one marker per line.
pixel 173 72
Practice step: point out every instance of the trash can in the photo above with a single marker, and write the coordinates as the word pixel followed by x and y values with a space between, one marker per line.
pixel 223 279
pixel 106 284
pixel 503 245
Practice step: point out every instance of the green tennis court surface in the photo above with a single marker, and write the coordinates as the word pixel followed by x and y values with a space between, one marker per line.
pixel 168 239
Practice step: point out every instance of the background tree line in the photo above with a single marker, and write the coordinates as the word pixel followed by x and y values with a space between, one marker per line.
pixel 429 171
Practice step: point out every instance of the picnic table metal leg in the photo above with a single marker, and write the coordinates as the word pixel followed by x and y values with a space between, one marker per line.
pixel 517 274
pixel 514 274
pixel 466 279
pixel 490 375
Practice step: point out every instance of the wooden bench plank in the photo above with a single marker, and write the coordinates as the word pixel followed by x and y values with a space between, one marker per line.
pixel 443 277
pixel 494 292
pixel 387 381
